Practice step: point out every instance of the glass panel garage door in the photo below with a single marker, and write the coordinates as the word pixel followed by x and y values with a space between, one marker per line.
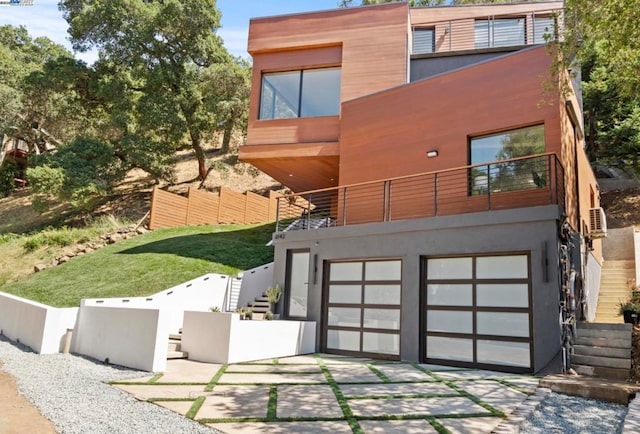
pixel 477 311
pixel 362 308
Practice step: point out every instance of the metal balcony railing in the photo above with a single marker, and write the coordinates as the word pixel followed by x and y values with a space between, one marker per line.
pixel 527 28
pixel 506 184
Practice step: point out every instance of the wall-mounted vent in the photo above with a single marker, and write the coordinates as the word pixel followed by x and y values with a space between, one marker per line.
pixel 597 223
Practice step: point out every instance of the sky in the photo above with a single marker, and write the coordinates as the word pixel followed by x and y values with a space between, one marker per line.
pixel 44 19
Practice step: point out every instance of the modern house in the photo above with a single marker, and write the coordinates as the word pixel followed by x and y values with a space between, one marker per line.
pixel 440 166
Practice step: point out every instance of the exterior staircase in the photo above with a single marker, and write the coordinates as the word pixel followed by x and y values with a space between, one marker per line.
pixel 614 288
pixel 174 350
pixel 260 305
pixel 603 350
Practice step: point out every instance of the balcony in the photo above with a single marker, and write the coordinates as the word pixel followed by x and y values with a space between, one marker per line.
pixel 486 33
pixel 515 183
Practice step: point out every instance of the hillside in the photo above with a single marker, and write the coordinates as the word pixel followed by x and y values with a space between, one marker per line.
pixel 622 207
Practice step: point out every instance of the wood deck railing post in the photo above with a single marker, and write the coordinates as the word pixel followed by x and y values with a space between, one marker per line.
pixel 389 200
pixel 488 186
pixel 309 213
pixel 549 172
pixel 384 201
pixel 435 194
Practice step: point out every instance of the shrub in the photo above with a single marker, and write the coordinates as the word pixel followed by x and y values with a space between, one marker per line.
pixel 8 172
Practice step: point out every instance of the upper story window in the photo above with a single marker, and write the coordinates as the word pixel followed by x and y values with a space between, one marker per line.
pixel 500 32
pixel 513 175
pixel 423 41
pixel 544 29
pixel 303 93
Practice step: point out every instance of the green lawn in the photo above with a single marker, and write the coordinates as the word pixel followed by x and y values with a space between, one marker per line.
pixel 149 263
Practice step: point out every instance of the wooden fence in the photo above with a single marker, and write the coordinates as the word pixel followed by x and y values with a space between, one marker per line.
pixel 200 208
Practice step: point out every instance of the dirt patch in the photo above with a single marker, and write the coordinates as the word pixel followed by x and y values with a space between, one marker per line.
pixel 17 415
pixel 622 207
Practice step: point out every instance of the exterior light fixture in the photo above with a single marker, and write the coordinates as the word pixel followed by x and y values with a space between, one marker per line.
pixel 432 154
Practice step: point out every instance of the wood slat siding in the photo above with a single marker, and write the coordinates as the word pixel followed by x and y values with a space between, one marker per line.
pixel 167 210
pixel 202 208
pixel 370 45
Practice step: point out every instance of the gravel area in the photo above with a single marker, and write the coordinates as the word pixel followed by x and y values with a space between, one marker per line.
pixel 71 392
pixel 565 414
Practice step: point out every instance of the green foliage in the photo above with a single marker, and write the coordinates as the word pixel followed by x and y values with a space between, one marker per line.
pixel 273 294
pixel 147 264
pixel 53 238
pixel 79 173
pixel 8 171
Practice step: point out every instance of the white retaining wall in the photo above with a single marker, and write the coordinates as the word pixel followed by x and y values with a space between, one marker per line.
pixel 214 337
pixel 197 295
pixel 592 286
pixel 255 282
pixel 132 337
pixel 37 325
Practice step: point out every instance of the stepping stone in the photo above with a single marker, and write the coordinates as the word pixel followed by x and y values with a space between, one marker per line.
pixel 388 389
pixel 307 401
pixel 188 371
pixel 272 378
pixel 397 426
pixel 353 374
pixel 402 372
pixel 474 374
pixel 471 425
pixel 181 407
pixel 274 369
pixel 144 392
pixel 235 401
pixel 497 395
pixel 337 427
pixel 414 406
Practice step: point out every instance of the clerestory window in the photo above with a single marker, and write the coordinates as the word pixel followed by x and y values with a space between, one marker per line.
pixel 302 93
pixel 499 32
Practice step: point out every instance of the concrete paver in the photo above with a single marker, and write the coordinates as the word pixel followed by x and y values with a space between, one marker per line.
pixel 144 392
pixel 307 401
pixel 235 401
pixel 328 427
pixel 188 371
pixel 388 389
pixel 181 407
pixel 274 369
pixel 414 406
pixel 404 372
pixel 272 378
pixel 476 425
pixel 353 374
pixel 397 427
pixel 497 395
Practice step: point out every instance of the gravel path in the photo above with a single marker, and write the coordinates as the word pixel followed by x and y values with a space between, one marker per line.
pixel 70 391
pixel 573 415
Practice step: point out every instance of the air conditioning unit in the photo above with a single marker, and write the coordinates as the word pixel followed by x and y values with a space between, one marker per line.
pixel 597 223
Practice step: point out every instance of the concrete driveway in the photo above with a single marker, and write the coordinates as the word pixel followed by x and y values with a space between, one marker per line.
pixel 332 394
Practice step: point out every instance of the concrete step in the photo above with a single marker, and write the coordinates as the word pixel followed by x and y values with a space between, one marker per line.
pixel 175 345
pixel 583 325
pixel 618 264
pixel 604 334
pixel 584 350
pixel 610 319
pixel 262 299
pixel 587 387
pixel 175 337
pixel 604 343
pixel 177 355
pixel 260 310
pixel 598 371
pixel 605 362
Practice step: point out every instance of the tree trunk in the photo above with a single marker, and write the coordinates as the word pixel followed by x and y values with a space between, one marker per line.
pixel 202 168
pixel 226 138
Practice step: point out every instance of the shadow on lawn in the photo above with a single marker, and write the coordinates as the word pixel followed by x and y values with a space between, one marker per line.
pixel 243 248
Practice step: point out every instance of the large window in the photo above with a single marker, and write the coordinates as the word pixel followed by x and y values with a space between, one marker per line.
pixel 508 176
pixel 544 29
pixel 306 93
pixel 501 32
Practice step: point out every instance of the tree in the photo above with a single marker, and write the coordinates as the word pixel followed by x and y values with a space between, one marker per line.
pixel 164 47
pixel 412 3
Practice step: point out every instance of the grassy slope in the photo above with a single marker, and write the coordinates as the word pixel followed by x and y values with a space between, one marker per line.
pixel 149 263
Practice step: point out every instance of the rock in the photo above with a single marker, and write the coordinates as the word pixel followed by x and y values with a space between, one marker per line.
pixel 88 249
pixel 63 259
pixel 39 267
pixel 55 263
pixel 141 230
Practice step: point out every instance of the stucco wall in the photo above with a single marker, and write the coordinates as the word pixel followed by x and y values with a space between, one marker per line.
pixel 531 230
pixel 39 326
pixel 135 338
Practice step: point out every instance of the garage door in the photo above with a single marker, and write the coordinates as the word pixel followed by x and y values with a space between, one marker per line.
pixel 362 308
pixel 476 311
